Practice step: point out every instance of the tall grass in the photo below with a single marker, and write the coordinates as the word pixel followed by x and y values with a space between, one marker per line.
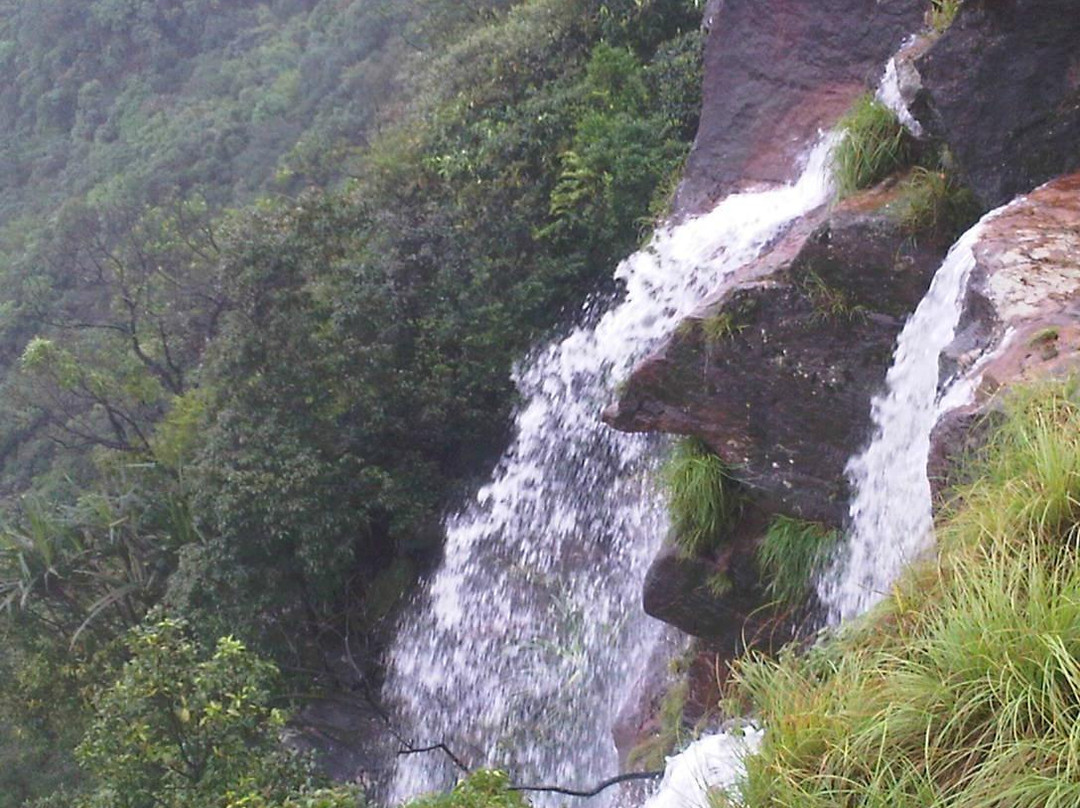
pixel 702 496
pixel 790 555
pixel 873 145
pixel 963 688
pixel 934 202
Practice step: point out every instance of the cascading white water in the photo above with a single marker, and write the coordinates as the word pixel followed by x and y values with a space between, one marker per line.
pixel 891 513
pixel 891 95
pixel 525 641
pixel 715 762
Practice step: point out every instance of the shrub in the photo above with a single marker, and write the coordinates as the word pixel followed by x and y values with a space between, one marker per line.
pixel 873 145
pixel 702 496
pixel 482 789
pixel 186 728
pixel 791 554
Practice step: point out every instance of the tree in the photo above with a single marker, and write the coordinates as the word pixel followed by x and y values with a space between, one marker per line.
pixel 135 300
pixel 181 728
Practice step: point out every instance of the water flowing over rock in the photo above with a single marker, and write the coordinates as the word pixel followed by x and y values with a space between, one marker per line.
pixel 891 518
pixel 1002 88
pixel 1023 301
pixel 527 638
pixel 1003 308
pixel 776 72
pixel 776 372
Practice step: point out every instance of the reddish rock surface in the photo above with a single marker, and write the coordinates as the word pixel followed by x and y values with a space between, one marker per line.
pixel 1024 296
pixel 776 374
pixel 777 71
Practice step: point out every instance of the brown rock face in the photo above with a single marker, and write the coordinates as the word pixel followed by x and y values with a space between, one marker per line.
pixel 776 71
pixel 1024 294
pixel 1002 88
pixel 776 375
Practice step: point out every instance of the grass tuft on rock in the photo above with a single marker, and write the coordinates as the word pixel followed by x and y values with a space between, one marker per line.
pixel 873 145
pixel 936 203
pixel 702 496
pixel 961 689
pixel 942 13
pixel 791 554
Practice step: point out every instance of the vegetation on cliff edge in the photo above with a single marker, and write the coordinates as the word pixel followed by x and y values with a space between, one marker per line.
pixel 961 688
pixel 267 267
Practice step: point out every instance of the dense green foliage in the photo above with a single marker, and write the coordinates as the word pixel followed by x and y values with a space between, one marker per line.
pixel 702 496
pixel 267 267
pixel 183 729
pixel 960 689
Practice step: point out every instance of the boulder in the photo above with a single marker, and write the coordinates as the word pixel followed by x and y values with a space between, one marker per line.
pixel 777 71
pixel 776 374
pixel 681 589
pixel 1022 307
pixel 1002 88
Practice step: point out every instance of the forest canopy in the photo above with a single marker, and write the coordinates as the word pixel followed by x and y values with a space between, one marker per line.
pixel 267 266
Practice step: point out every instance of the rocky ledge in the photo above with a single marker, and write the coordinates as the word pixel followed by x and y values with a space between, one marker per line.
pixel 777 72
pixel 1022 309
pixel 775 374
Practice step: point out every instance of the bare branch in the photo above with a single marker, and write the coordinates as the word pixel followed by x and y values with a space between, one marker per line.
pixel 411 750
pixel 611 781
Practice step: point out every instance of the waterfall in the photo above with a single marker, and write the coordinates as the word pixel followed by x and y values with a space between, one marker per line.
pixel 712 763
pixel 891 519
pixel 523 644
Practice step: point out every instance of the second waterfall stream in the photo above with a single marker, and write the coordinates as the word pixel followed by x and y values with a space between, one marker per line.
pixel 891 515
pixel 522 646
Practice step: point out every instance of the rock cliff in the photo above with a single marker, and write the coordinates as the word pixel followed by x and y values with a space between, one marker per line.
pixel 1002 88
pixel 776 371
pixel 777 71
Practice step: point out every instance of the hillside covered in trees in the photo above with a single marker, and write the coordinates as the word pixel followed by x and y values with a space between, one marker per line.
pixel 266 269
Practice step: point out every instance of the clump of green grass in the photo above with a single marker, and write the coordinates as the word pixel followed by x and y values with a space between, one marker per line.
pixel 935 202
pixel 791 554
pixel 702 496
pixel 873 145
pixel 719 327
pixel 942 13
pixel 962 689
pixel 718 584
pixel 831 303
pixel 1046 341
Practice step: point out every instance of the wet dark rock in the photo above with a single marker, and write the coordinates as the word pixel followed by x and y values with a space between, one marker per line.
pixel 777 71
pixel 681 590
pixel 638 716
pixel 777 374
pixel 1002 88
